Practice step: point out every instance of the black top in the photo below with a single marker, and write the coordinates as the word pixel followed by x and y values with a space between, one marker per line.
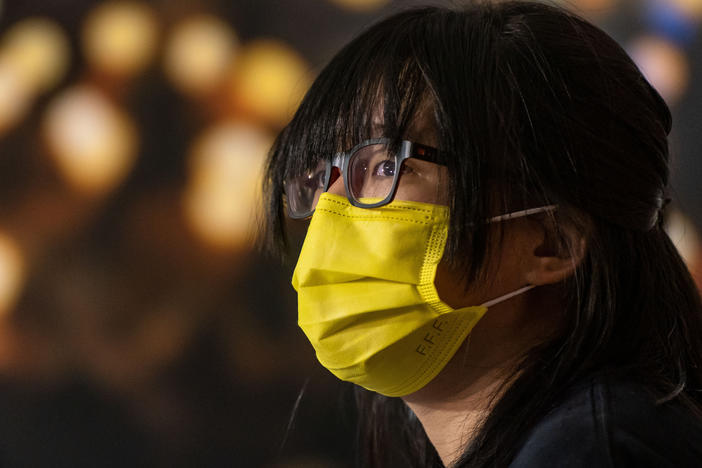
pixel 608 423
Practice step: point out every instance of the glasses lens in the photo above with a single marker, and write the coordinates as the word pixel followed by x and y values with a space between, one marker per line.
pixel 303 191
pixel 372 172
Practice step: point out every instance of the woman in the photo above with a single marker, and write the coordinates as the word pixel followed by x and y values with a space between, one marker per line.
pixel 486 187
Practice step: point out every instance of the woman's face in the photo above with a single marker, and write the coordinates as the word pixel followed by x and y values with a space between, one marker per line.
pixel 422 181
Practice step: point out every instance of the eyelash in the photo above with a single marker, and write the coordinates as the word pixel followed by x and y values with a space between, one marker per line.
pixel 405 168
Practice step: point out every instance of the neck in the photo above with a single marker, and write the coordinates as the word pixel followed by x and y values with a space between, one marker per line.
pixel 453 406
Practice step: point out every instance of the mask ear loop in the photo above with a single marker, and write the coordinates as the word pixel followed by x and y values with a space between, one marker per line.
pixel 522 213
pixel 510 295
pixel 505 217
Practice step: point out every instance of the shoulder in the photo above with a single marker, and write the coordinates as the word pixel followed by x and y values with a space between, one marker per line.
pixel 606 422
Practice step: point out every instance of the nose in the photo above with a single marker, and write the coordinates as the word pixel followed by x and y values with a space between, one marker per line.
pixel 336 183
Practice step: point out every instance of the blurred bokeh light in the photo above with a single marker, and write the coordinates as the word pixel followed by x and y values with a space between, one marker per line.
pixel 120 37
pixel 692 8
pixel 38 48
pixel 268 81
pixel 91 140
pixel 663 64
pixel 16 95
pixel 223 186
pixel 198 54
pixel 361 5
pixel 688 242
pixel 12 271
pixel 34 57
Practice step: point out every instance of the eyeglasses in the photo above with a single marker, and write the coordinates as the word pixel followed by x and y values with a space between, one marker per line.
pixel 370 170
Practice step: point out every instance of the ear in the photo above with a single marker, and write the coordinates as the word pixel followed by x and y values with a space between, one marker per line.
pixel 557 256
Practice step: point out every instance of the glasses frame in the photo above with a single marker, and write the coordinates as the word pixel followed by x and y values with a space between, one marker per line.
pixel 408 149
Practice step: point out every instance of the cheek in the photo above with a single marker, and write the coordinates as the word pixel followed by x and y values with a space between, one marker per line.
pixel 452 291
pixel 424 182
pixel 505 274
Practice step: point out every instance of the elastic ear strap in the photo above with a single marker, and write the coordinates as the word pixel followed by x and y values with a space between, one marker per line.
pixel 497 300
pixel 520 214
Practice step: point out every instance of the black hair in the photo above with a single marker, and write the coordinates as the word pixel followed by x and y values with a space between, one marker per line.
pixel 538 102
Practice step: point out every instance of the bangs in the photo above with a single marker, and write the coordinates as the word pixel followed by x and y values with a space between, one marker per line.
pixel 374 86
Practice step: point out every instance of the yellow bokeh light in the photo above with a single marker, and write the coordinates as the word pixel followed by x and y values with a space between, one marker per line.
pixel 12 272
pixel 223 191
pixel 361 5
pixel 684 235
pixel 692 8
pixel 16 95
pixel 120 37
pixel 198 54
pixel 38 49
pixel 664 65
pixel 92 142
pixel 269 81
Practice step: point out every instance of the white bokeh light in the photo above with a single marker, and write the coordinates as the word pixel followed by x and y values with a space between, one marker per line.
pixel 223 191
pixel 92 141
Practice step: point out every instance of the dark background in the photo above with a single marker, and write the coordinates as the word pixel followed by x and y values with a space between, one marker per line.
pixel 132 332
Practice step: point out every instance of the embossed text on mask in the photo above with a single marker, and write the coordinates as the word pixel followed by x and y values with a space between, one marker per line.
pixel 430 337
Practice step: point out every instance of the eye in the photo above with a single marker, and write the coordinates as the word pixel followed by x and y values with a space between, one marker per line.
pixel 313 180
pixel 385 168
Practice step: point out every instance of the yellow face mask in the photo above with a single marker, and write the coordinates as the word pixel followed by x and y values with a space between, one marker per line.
pixel 366 295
